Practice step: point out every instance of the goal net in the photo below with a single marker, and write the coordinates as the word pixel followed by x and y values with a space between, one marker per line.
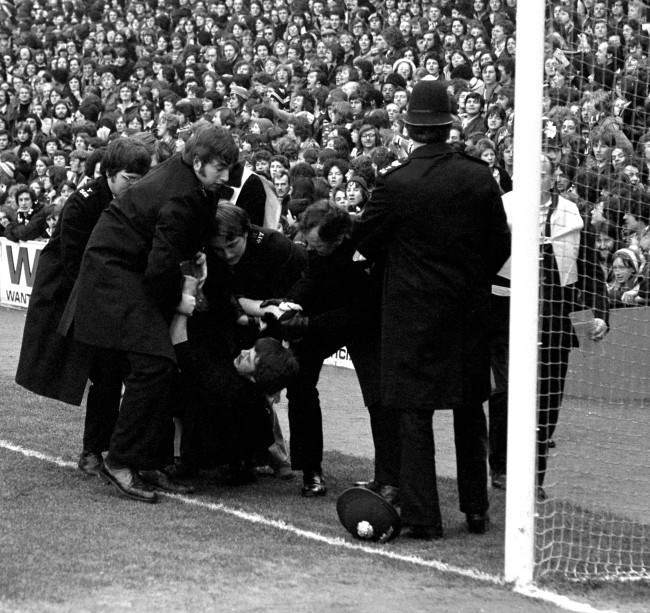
pixel 593 394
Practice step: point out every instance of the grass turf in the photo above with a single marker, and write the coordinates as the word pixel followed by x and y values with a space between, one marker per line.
pixel 68 543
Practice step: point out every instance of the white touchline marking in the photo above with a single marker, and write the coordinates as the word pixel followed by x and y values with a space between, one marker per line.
pixel 530 591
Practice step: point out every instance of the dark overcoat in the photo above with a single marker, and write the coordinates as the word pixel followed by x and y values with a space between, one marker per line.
pixel 437 222
pixel 130 280
pixel 269 267
pixel 50 364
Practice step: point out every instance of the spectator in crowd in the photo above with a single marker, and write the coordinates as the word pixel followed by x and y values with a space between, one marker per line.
pixel 623 289
pixel 31 216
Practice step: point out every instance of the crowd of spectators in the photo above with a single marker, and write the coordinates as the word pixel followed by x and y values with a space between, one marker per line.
pixel 314 93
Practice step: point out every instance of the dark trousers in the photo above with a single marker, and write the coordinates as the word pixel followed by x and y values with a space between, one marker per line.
pixel 553 366
pixel 328 332
pixel 384 425
pixel 418 483
pixel 305 418
pixel 143 435
pixel 103 401
pixel 556 340
pixel 498 403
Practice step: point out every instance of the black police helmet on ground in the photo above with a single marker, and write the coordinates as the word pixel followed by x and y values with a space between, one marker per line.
pixel 367 516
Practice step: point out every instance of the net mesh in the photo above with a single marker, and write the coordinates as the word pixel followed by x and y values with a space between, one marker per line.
pixel 593 465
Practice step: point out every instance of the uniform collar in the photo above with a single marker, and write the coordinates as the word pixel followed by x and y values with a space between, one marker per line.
pixel 431 150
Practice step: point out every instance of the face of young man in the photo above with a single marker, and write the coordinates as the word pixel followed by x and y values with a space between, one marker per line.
pixel 246 362
pixel 211 174
pixel 121 180
pixel 320 246
pixel 229 249
pixel 281 185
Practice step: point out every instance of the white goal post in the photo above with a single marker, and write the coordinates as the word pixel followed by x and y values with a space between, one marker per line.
pixel 522 392
pixel 590 520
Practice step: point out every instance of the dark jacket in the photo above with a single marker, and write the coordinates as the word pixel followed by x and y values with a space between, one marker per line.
pixel 269 267
pixel 439 222
pixel 32 229
pixel 130 281
pixel 50 364
pixel 333 282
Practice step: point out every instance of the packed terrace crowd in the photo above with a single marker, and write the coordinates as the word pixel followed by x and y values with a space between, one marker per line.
pixel 314 92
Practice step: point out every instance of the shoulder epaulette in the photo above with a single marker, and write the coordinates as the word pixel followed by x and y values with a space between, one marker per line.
pixel 394 166
pixel 258 236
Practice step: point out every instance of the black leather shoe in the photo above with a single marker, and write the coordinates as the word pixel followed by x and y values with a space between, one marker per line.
pixel 90 463
pixel 389 493
pixel 313 485
pixel 422 533
pixel 477 523
pixel 128 483
pixel 499 481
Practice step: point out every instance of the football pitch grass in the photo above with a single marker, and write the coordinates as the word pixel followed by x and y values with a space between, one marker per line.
pixel 68 543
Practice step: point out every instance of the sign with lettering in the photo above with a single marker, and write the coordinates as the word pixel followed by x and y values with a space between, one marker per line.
pixel 18 263
pixel 341 358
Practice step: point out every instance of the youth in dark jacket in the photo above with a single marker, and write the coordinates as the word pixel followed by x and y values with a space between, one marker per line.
pixel 129 286
pixel 31 217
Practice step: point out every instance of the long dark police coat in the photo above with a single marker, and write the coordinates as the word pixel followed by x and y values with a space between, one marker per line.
pixel 50 364
pixel 130 280
pixel 438 224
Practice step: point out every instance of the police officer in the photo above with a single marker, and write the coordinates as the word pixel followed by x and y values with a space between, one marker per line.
pixel 52 365
pixel 437 221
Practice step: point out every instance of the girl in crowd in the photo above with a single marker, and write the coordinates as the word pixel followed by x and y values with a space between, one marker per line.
pixel 334 170
pixel 357 194
pixel 624 284
pixel 487 151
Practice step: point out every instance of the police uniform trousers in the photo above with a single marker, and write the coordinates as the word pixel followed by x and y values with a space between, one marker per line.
pixel 144 433
pixel 327 333
pixel 418 482
pixel 103 401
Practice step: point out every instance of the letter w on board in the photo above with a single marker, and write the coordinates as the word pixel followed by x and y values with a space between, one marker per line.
pixel 21 266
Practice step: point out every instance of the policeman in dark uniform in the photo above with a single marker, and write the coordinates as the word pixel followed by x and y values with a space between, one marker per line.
pixel 438 223
pixel 49 362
